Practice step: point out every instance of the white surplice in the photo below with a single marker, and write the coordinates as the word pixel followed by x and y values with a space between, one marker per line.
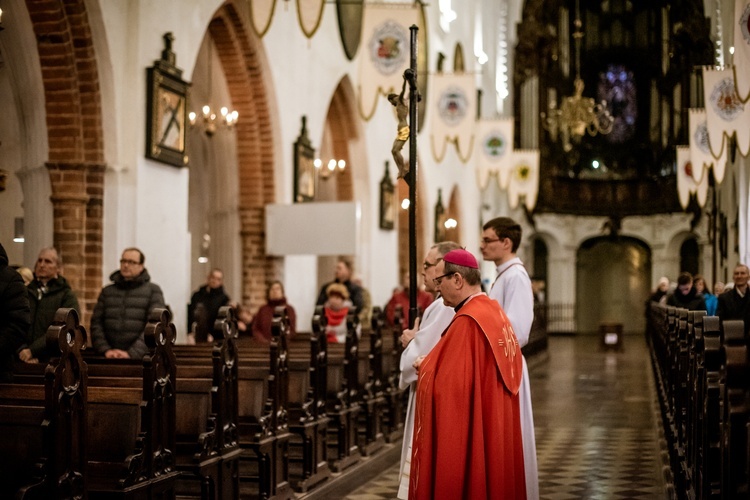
pixel 512 289
pixel 433 323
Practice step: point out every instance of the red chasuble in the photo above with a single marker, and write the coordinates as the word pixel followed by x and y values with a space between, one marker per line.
pixel 467 431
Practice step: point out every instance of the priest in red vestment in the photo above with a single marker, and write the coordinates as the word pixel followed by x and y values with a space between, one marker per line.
pixel 467 432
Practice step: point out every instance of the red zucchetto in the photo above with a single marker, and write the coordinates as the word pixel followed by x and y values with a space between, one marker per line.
pixel 461 257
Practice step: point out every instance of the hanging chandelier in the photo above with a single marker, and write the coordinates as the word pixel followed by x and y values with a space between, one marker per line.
pixel 577 115
pixel 209 120
pixel 333 166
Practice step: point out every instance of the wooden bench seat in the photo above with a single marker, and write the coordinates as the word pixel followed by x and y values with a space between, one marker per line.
pixel 308 420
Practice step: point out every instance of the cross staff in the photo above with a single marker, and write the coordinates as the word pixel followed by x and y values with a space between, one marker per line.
pixel 410 76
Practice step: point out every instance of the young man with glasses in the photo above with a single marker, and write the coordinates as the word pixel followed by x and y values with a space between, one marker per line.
pixel 122 310
pixel 467 439
pixel 418 342
pixel 512 290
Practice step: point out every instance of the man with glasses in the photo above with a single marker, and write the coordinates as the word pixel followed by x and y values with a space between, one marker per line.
pixel 418 342
pixel 121 313
pixel 467 438
pixel 512 290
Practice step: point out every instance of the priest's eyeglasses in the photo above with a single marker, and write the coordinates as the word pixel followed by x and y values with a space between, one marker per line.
pixel 427 264
pixel 439 279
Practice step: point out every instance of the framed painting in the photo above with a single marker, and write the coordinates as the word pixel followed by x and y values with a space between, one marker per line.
pixel 387 201
pixel 166 113
pixel 304 166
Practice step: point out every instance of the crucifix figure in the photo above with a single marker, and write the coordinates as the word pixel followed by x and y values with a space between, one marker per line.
pixel 402 111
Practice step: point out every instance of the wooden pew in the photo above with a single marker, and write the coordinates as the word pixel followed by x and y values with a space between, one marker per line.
pixel 395 398
pixel 702 370
pixel 263 419
pixel 131 435
pixel 308 420
pixel 342 400
pixel 43 426
pixel 207 417
pixel 372 401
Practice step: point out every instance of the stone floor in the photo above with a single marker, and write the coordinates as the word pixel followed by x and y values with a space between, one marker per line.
pixel 595 420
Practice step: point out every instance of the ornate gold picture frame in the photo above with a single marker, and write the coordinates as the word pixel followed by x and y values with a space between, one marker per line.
pixel 304 166
pixel 387 201
pixel 166 113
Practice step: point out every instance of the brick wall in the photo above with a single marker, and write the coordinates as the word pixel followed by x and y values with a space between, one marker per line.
pixel 76 160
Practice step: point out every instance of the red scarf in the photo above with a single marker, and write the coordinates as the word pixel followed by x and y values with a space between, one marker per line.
pixel 336 317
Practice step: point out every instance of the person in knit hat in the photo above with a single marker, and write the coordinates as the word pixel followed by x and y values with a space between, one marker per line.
pixel 336 308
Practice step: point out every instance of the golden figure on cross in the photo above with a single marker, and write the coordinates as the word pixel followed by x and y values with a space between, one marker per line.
pixel 402 111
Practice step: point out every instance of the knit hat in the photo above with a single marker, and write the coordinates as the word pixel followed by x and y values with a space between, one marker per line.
pixel 337 289
pixel 461 257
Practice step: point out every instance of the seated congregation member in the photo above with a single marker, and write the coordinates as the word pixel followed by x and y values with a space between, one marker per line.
pixel 264 318
pixel 343 275
pixel 122 310
pixel 662 288
pixel 336 309
pixel 710 299
pixel 401 296
pixel 685 295
pixel 27 274
pixel 207 301
pixel 735 302
pixel 47 292
pixel 14 315
pixel 244 319
pixel 467 430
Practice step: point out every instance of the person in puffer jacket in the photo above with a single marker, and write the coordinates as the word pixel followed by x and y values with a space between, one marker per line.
pixel 123 307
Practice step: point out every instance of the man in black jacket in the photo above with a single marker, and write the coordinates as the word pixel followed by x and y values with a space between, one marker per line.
pixel 211 297
pixel 14 314
pixel 47 292
pixel 121 313
pixel 735 303
pixel 343 275
pixel 685 295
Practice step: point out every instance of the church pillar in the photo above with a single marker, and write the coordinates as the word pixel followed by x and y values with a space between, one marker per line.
pixel 561 285
pixel 77 190
pixel 37 211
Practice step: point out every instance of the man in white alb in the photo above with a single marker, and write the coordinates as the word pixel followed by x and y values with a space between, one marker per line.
pixel 418 342
pixel 512 289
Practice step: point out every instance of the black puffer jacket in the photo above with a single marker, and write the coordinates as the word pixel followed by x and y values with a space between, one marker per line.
pixel 121 314
pixel 14 314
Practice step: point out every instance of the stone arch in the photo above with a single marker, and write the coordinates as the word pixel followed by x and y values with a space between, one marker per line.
pixel 240 56
pixel 672 251
pixel 341 140
pixel 74 131
pixel 613 281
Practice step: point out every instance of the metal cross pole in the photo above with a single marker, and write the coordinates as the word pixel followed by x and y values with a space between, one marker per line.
pixel 411 178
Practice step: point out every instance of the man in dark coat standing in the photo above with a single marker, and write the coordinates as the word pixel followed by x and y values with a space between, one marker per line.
pixel 121 313
pixel 343 275
pixel 14 315
pixel 211 296
pixel 47 292
pixel 735 303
